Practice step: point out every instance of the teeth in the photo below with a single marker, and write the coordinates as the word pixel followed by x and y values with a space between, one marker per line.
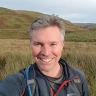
pixel 46 60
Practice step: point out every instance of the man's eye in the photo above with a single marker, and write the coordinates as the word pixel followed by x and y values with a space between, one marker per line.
pixel 53 44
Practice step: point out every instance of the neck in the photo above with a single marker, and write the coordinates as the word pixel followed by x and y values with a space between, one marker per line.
pixel 55 72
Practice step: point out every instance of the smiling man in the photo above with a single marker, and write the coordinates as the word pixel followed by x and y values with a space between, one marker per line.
pixel 47 45
pixel 49 75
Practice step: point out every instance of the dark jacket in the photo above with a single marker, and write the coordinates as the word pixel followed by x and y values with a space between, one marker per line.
pixel 15 84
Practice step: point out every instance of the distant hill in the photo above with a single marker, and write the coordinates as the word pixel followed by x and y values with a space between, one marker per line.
pixel 19 19
pixel 88 26
pixel 13 19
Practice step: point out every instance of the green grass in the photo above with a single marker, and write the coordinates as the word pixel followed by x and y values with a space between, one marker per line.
pixel 81 36
pixel 14 34
pixel 69 37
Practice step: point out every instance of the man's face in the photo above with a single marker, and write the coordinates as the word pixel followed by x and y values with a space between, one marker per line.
pixel 47 45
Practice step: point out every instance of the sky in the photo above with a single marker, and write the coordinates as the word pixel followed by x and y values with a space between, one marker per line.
pixel 75 11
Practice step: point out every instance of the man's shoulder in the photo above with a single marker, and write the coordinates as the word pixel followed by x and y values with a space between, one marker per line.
pixel 19 76
pixel 13 83
pixel 72 71
pixel 79 73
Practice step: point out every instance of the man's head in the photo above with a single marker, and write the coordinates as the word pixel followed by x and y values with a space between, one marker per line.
pixel 45 21
pixel 46 40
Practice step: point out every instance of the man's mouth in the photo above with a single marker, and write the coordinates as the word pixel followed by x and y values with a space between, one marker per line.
pixel 46 60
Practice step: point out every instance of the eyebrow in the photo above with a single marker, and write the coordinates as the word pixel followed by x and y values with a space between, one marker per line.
pixel 42 43
pixel 54 42
pixel 37 42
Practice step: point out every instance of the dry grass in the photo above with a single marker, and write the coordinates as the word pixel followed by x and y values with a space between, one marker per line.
pixel 16 54
pixel 14 45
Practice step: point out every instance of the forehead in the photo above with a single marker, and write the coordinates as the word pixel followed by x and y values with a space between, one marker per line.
pixel 51 33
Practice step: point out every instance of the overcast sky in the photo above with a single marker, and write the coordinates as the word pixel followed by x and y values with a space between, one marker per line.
pixel 80 11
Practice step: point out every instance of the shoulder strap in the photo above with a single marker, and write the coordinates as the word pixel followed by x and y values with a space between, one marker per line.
pixel 30 77
pixel 78 83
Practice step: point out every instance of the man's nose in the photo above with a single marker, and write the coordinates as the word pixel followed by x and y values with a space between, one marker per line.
pixel 46 50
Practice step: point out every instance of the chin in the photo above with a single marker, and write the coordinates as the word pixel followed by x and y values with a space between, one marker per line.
pixel 45 68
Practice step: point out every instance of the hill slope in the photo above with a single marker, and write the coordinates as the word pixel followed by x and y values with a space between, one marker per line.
pixel 88 26
pixel 18 21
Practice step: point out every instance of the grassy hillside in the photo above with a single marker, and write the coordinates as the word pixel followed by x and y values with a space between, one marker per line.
pixel 88 26
pixel 81 36
pixel 11 19
pixel 16 22
pixel 19 19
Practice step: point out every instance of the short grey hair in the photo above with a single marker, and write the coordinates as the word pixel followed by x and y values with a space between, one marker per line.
pixel 46 21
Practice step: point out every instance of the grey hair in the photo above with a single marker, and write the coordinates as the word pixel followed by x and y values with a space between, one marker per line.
pixel 45 21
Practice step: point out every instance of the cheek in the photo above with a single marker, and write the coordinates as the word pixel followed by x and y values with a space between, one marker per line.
pixel 35 52
pixel 57 51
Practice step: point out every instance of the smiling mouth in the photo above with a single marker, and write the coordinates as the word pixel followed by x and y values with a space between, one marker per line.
pixel 46 60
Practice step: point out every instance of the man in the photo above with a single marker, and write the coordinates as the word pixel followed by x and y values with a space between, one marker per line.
pixel 49 75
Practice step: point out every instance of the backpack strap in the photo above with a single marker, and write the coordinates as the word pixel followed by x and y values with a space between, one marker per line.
pixel 30 77
pixel 78 83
